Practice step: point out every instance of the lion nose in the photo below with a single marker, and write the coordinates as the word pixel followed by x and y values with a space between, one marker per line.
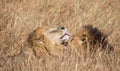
pixel 63 28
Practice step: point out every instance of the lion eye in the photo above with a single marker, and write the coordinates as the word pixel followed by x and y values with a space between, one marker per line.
pixel 82 39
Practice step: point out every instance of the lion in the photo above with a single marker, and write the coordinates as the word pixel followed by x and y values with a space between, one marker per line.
pixel 90 38
pixel 49 42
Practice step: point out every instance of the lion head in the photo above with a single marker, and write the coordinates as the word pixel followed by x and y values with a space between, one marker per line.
pixel 50 41
pixel 92 38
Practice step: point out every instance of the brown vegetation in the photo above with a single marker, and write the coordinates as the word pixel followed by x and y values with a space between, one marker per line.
pixel 18 18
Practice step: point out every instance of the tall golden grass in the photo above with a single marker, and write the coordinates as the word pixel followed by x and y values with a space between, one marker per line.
pixel 18 18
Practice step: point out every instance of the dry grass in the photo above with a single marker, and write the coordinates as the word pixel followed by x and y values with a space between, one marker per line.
pixel 20 17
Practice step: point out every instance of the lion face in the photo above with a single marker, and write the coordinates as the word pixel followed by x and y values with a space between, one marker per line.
pixel 83 38
pixel 58 35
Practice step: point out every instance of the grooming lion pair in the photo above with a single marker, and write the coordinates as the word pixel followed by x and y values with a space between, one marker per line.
pixel 50 42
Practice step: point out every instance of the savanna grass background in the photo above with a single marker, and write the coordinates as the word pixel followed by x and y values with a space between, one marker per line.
pixel 18 18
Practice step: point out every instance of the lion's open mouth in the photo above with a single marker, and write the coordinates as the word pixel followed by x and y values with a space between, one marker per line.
pixel 64 39
pixel 66 34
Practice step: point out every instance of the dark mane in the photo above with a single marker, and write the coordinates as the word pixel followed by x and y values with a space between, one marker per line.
pixel 99 37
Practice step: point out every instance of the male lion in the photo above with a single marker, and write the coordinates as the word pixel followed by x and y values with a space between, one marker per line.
pixel 90 38
pixel 49 42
